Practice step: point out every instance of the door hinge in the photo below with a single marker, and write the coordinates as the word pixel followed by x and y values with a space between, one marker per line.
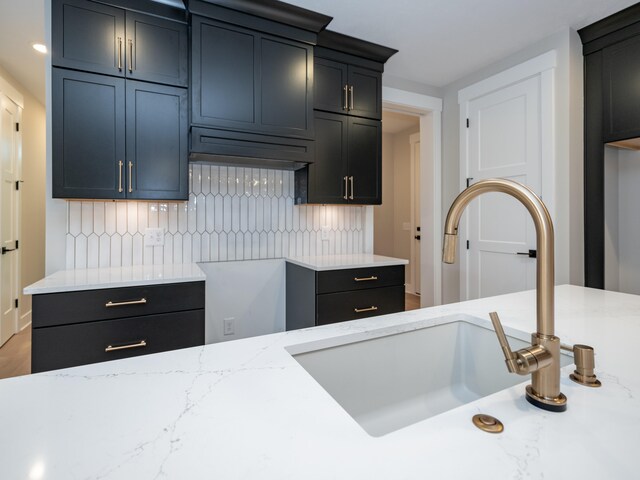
pixel 17 127
pixel 16 302
pixel 469 181
pixel 17 245
pixel 467 123
pixel 467 244
pixel 17 184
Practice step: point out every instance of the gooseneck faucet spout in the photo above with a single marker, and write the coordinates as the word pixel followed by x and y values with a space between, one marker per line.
pixel 542 359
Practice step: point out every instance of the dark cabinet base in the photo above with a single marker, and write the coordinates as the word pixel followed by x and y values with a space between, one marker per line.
pixel 324 297
pixel 80 344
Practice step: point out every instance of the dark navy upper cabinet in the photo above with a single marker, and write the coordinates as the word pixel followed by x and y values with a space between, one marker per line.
pixel 88 119
pixel 621 77
pixel 116 138
pixel 348 162
pixel 157 150
pixel 103 39
pixel 246 80
pixel 88 36
pixel 348 89
pixel 157 50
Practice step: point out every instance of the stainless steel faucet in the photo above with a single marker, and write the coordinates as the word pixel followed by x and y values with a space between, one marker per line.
pixel 542 358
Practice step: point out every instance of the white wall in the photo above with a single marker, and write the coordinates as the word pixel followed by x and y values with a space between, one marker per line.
pixel 568 152
pixel 629 221
pixel 251 294
pixel 611 227
pixel 32 235
pixel 391 238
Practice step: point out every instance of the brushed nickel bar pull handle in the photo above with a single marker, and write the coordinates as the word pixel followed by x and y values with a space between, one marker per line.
pixel 111 348
pixel 345 106
pixel 119 176
pixel 142 301
pixel 120 54
pixel 130 175
pixel 351 100
pixel 346 189
pixel 365 279
pixel 351 196
pixel 369 309
pixel 130 56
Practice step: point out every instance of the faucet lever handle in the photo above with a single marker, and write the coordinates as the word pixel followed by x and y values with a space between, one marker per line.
pixel 510 357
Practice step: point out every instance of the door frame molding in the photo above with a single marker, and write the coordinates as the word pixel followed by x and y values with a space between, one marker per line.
pixel 542 66
pixel 12 95
pixel 415 273
pixel 429 111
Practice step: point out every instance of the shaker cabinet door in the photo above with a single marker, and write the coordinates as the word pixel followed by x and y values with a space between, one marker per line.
pixel 365 94
pixel 88 118
pixel 621 92
pixel 88 36
pixel 326 176
pixel 365 161
pixel 224 75
pixel 286 105
pixel 157 50
pixel 330 86
pixel 157 150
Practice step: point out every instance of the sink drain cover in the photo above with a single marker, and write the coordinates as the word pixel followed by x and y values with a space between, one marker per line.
pixel 487 423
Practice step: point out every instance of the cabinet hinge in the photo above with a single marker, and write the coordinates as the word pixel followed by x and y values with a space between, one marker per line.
pixel 467 244
pixel 16 302
pixel 467 123
pixel 17 127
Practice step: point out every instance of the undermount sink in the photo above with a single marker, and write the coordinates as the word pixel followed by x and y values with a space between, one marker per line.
pixel 398 379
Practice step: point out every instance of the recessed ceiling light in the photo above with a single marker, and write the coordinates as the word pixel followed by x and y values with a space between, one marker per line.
pixel 39 47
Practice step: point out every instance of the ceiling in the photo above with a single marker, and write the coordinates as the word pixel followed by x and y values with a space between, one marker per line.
pixel 21 25
pixel 439 41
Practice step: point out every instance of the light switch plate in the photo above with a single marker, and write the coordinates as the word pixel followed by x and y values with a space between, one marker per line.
pixel 324 233
pixel 406 226
pixel 154 237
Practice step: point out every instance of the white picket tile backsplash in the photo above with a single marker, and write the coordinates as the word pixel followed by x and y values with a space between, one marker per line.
pixel 233 213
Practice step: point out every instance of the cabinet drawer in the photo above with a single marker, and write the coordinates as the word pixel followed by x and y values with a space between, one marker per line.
pixel 73 345
pixel 339 307
pixel 359 278
pixel 90 305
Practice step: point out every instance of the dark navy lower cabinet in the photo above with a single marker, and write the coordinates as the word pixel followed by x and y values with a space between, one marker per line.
pixel 79 328
pixel 323 297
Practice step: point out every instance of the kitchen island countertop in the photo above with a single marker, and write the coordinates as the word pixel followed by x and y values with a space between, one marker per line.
pixel 247 410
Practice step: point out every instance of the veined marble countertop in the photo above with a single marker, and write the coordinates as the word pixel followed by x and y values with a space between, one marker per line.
pixel 247 410
pixel 114 277
pixel 342 262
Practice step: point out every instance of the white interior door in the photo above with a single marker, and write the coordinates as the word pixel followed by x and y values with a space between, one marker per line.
pixel 504 140
pixel 9 154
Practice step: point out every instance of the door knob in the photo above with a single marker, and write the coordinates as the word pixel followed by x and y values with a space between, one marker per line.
pixel 417 237
pixel 530 253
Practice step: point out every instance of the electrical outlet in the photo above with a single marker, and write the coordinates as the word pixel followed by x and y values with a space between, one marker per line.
pixel 229 326
pixel 324 233
pixel 154 237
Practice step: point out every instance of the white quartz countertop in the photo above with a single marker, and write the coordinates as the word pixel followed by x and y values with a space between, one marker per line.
pixel 114 277
pixel 342 262
pixel 247 410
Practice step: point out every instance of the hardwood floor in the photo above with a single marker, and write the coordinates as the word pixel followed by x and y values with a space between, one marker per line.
pixel 15 355
pixel 411 302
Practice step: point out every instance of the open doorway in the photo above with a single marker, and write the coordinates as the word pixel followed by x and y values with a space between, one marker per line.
pixel 396 221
